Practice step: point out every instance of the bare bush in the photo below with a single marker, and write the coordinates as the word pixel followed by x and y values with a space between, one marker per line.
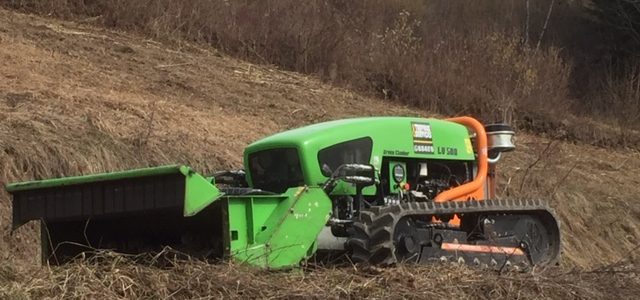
pixel 620 101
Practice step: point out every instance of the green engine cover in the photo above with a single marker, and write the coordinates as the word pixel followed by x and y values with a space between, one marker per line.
pixel 400 137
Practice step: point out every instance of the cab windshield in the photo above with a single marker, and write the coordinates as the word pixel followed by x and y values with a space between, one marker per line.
pixel 276 170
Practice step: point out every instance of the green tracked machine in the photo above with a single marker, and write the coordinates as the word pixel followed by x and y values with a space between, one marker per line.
pixel 383 190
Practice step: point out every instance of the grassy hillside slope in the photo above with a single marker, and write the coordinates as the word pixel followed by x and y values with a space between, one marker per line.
pixel 76 99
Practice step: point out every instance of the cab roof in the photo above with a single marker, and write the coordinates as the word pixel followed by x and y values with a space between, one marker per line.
pixel 387 133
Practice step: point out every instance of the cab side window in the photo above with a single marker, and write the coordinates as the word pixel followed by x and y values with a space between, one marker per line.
pixel 356 151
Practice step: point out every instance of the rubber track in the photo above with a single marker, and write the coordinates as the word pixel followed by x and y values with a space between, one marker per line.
pixel 371 239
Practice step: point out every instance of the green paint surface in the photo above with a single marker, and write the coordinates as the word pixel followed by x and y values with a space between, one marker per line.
pixel 200 192
pixel 73 180
pixel 277 231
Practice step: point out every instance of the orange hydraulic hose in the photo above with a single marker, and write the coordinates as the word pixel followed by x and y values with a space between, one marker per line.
pixel 476 185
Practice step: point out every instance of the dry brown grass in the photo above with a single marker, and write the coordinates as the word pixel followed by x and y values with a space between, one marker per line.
pixel 77 99
pixel 111 276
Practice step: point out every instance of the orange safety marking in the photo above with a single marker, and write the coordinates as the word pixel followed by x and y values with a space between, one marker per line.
pixel 455 221
pixel 482 248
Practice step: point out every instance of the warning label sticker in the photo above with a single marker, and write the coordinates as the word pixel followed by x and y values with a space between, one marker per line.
pixel 422 139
